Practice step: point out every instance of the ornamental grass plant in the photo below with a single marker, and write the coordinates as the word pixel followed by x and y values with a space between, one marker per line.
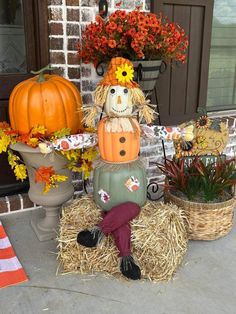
pixel 133 35
pixel 199 182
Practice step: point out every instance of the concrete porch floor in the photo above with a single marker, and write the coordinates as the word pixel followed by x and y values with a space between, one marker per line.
pixel 205 284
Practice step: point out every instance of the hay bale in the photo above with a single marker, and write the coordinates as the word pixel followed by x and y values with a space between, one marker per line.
pixel 159 240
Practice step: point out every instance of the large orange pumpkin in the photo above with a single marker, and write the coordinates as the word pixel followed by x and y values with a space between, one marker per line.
pixel 48 100
pixel 120 146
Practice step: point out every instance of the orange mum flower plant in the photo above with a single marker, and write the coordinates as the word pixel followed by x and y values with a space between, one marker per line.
pixel 132 35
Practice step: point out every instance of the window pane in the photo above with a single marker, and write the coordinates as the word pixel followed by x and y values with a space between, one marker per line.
pixel 222 71
pixel 12 38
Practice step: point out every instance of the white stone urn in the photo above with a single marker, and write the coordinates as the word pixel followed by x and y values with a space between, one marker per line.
pixel 45 226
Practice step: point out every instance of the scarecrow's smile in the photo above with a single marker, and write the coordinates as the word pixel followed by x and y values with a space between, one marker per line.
pixel 119 111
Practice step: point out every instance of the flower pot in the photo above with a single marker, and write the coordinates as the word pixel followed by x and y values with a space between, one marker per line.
pixel 207 221
pixel 146 72
pixel 51 202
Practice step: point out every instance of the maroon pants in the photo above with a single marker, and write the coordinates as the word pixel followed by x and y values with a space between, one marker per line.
pixel 116 222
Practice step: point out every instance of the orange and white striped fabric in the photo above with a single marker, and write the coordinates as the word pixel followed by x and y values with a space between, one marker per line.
pixel 11 271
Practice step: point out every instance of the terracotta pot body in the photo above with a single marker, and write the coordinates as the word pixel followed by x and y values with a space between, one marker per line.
pixel 118 182
pixel 51 202
pixel 118 146
pixel 207 221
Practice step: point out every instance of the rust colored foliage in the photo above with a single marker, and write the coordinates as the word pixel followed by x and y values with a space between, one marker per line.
pixel 133 35
pixel 43 174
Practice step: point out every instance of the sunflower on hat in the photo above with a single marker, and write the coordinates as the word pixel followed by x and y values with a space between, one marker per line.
pixel 124 73
pixel 120 72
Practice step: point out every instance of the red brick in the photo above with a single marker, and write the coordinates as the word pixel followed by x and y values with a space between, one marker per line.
pixel 59 71
pixel 74 73
pixel 72 29
pixel 55 14
pixel 87 98
pixel 27 203
pixel 73 58
pixel 88 3
pixel 86 72
pixel 77 84
pixel 73 15
pixel 72 44
pixel 57 57
pixel 56 28
pixel 72 2
pixel 56 43
pixel 3 205
pixel 86 15
pixel 54 2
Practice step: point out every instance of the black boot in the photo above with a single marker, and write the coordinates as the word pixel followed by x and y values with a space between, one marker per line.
pixel 129 269
pixel 90 238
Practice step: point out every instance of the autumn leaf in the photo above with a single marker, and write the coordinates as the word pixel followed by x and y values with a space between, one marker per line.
pixel 4 125
pixel 38 130
pixel 43 174
pixel 20 172
pixel 62 133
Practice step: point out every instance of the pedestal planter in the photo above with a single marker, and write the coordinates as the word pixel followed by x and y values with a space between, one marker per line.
pixel 207 221
pixel 51 202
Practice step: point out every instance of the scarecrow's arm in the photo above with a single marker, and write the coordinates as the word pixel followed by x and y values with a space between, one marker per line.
pixel 77 141
pixel 167 133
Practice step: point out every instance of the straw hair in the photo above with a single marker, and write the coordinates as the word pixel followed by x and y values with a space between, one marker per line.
pixel 207 221
pixel 100 96
pixel 90 113
pixel 159 241
pixel 137 97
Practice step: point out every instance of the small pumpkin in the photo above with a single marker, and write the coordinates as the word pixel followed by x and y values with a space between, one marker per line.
pixel 110 184
pixel 48 100
pixel 118 146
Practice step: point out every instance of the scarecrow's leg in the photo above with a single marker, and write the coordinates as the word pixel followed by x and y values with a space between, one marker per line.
pixel 116 221
pixel 118 216
pixel 122 237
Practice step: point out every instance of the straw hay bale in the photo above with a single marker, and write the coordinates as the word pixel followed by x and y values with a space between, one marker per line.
pixel 159 240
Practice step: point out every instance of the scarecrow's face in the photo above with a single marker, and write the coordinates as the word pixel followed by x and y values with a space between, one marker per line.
pixel 118 101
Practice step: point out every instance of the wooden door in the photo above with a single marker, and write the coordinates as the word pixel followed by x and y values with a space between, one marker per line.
pixel 24 47
pixel 181 89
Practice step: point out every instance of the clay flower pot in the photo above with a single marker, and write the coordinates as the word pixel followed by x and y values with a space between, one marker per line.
pixel 51 202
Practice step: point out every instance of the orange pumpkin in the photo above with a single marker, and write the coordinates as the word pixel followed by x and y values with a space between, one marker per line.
pixel 119 146
pixel 48 100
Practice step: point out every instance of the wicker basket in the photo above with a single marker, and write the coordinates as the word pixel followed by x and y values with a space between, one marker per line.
pixel 207 221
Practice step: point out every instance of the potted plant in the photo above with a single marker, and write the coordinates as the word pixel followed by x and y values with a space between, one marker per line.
pixel 205 191
pixel 138 36
pixel 46 130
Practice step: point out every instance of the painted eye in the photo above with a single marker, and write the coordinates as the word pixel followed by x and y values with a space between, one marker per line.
pixel 112 91
pixel 125 91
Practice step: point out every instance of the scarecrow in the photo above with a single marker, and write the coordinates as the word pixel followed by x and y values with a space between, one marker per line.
pixel 119 175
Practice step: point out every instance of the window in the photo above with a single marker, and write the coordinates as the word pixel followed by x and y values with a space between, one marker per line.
pixel 12 38
pixel 222 69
